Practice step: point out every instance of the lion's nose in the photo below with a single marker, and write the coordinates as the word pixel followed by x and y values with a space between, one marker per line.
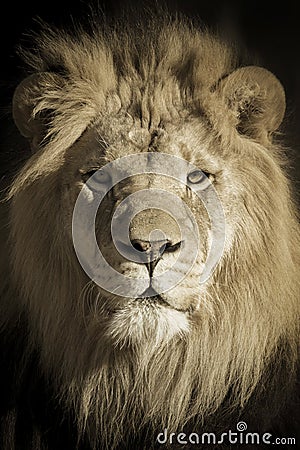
pixel 150 235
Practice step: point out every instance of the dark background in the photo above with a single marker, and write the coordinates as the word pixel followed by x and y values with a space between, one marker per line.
pixel 268 29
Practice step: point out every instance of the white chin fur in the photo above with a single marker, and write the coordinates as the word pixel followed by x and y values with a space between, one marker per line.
pixel 136 322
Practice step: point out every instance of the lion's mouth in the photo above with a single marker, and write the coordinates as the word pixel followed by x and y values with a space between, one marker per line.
pixel 150 298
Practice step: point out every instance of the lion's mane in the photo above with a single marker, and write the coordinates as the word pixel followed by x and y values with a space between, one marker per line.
pixel 239 359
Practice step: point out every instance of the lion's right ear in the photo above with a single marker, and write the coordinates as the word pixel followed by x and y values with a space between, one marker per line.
pixel 29 113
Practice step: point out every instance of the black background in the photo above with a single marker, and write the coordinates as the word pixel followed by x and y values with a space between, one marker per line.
pixel 270 30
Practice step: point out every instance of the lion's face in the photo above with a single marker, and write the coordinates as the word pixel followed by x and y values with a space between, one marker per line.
pixel 154 232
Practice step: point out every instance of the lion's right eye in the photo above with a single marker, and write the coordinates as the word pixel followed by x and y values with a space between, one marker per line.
pixel 96 179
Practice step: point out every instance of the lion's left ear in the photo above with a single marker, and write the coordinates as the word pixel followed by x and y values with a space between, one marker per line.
pixel 257 99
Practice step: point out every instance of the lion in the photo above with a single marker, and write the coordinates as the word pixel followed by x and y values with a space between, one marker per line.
pixel 85 367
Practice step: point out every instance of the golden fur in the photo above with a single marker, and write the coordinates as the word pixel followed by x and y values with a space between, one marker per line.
pixel 249 308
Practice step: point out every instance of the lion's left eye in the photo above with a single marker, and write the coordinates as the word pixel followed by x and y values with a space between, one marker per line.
pixel 197 176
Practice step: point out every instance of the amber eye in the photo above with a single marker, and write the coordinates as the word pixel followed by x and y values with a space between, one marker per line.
pixel 96 179
pixel 197 176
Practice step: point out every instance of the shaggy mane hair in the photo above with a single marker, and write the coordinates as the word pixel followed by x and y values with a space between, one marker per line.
pixel 69 387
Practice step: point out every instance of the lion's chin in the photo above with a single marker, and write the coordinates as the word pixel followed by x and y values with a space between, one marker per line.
pixel 148 319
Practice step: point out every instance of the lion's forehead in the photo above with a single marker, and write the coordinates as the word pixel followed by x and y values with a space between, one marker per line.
pixel 123 134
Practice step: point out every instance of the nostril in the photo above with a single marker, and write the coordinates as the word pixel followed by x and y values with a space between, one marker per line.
pixel 170 247
pixel 140 245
